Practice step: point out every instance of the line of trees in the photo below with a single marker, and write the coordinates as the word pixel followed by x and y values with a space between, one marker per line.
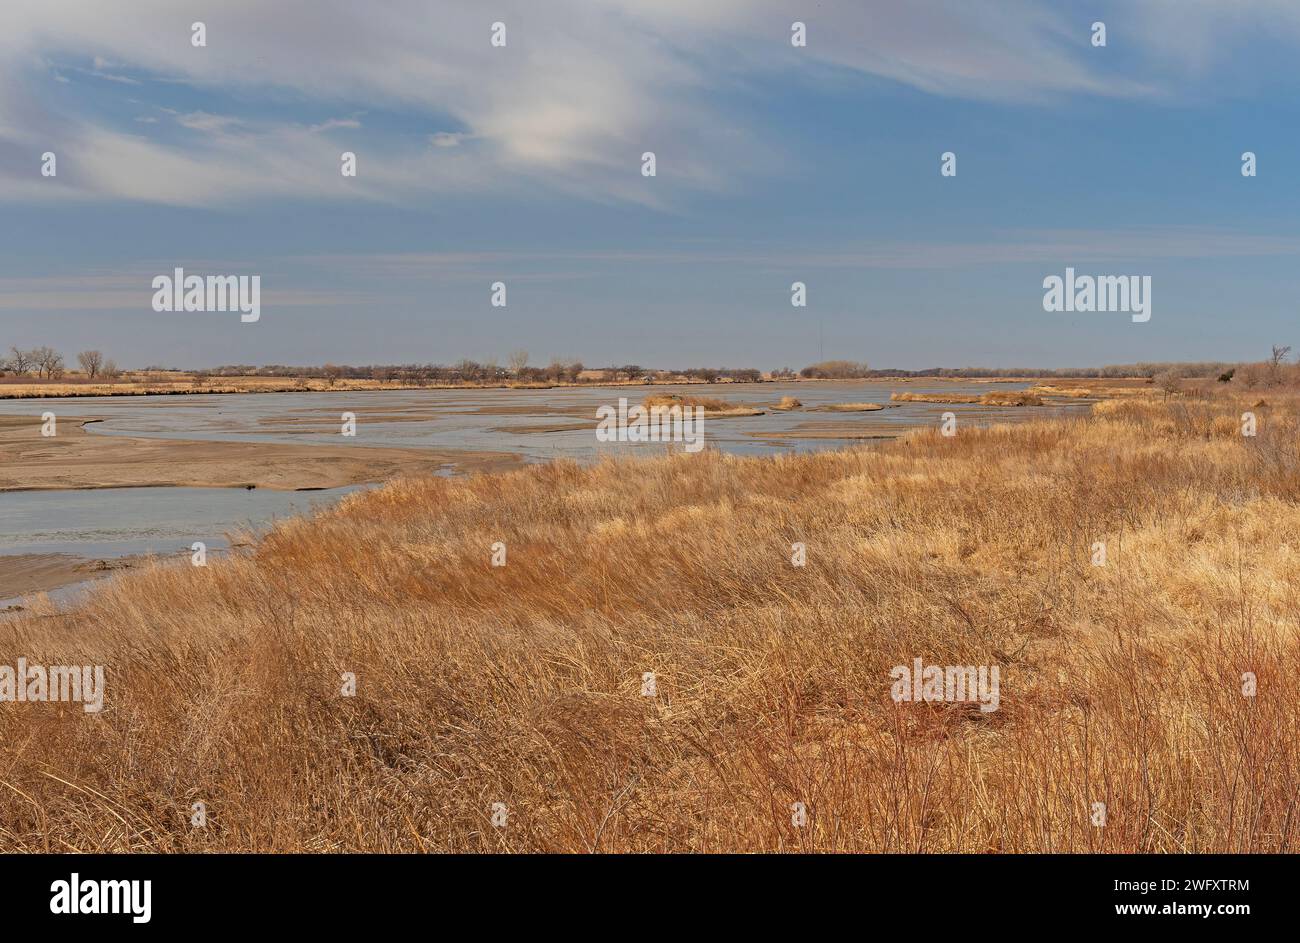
pixel 1111 371
pixel 471 371
pixel 46 363
pixel 836 370
pixel 463 371
pixel 1276 371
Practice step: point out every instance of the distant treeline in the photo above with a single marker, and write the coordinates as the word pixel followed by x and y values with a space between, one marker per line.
pixel 46 363
pixel 1114 371
pixel 465 371
pixel 848 370
pixel 471 371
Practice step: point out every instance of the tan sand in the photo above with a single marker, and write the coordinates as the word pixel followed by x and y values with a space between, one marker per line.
pixel 24 573
pixel 847 408
pixel 546 427
pixel 78 459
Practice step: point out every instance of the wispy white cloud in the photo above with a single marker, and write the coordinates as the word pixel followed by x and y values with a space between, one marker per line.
pixel 294 281
pixel 202 121
pixel 581 89
pixel 446 139
pixel 1047 246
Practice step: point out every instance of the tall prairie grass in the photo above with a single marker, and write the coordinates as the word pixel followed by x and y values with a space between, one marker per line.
pixel 995 398
pixel 1121 684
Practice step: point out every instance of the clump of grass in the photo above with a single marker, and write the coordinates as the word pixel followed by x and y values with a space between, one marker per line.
pixel 996 398
pixel 788 402
pixel 1002 398
pixel 709 405
pixel 1098 391
pixel 676 399
pixel 522 684
pixel 933 398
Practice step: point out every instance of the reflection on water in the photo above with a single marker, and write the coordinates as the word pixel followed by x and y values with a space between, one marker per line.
pixel 117 521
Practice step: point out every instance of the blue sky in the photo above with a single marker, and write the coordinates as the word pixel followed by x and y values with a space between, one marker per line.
pixel 775 164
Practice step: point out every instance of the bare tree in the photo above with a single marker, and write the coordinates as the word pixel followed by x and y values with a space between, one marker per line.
pixel 1168 382
pixel 1275 361
pixel 49 362
pixel 332 373
pixel 518 360
pixel 109 371
pixel 92 362
pixel 21 361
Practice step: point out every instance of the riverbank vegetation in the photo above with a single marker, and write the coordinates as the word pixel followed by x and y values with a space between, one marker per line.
pixel 650 671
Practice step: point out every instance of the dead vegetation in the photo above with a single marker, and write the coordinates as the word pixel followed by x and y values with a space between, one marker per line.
pixel 1121 684
pixel 996 398
pixel 712 407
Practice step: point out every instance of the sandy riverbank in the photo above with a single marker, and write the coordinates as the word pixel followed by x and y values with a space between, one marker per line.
pixel 25 573
pixel 75 458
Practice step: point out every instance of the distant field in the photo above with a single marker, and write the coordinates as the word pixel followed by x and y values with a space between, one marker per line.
pixel 525 684
pixel 181 383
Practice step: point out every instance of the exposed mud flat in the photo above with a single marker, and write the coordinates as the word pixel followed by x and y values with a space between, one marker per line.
pixel 26 573
pixel 74 458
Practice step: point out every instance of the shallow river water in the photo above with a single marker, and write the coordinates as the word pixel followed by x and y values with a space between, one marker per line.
pixel 538 424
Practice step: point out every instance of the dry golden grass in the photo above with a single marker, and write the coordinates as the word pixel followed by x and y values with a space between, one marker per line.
pixel 1023 398
pixel 522 684
pixel 934 398
pixel 1095 390
pixel 997 398
pixel 711 406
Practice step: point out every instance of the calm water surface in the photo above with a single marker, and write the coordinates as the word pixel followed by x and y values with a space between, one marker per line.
pixel 162 520
pixel 118 521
